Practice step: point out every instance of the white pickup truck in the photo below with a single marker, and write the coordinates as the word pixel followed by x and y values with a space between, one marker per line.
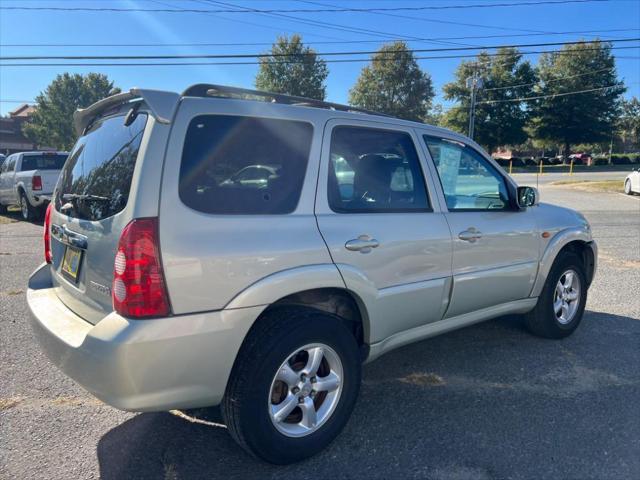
pixel 27 179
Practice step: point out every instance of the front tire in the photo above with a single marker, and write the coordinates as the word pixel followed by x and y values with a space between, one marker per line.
pixel 627 187
pixel 561 304
pixel 294 385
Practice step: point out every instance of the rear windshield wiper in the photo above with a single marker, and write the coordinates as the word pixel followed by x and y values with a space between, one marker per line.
pixel 77 196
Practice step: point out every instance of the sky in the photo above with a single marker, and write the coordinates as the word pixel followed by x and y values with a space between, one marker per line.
pixel 492 25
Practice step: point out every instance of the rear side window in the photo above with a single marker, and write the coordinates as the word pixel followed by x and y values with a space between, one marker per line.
pixel 43 162
pixel 375 171
pixel 244 165
pixel 95 181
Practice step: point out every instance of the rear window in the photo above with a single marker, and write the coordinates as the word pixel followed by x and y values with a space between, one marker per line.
pixel 244 165
pixel 43 162
pixel 95 182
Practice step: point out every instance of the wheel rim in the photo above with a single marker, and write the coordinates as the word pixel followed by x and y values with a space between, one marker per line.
pixel 566 297
pixel 306 389
pixel 23 208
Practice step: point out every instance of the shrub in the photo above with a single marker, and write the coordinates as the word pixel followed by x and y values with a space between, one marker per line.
pixel 620 160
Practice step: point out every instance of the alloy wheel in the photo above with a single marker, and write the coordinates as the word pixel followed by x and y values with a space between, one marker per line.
pixel 306 390
pixel 566 297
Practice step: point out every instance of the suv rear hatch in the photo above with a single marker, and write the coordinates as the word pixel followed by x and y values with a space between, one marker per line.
pixel 91 207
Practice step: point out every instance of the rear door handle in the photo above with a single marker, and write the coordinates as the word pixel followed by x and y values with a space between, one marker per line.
pixel 470 235
pixel 69 237
pixel 362 244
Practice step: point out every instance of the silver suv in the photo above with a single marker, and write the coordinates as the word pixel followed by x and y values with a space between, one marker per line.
pixel 213 248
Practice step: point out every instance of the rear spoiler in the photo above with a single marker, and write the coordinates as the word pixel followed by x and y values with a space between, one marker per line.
pixel 161 103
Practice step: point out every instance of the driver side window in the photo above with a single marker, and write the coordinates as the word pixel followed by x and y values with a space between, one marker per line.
pixel 468 180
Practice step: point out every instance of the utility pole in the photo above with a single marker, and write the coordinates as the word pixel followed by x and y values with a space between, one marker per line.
pixel 474 83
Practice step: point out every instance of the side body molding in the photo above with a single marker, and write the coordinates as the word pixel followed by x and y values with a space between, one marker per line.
pixel 272 288
pixel 562 238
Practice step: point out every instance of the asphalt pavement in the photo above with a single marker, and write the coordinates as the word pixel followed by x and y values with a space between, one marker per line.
pixel 488 401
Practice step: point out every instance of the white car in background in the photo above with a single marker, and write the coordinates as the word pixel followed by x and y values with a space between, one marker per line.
pixel 27 179
pixel 632 183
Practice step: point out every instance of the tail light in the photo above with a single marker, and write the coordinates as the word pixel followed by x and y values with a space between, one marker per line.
pixel 36 182
pixel 139 289
pixel 47 234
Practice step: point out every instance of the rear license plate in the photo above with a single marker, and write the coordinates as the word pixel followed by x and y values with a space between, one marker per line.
pixel 71 262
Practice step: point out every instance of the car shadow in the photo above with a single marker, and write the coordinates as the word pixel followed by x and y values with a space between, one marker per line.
pixel 482 402
pixel 13 216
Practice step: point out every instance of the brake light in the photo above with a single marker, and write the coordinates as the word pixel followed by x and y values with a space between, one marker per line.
pixel 47 234
pixel 139 289
pixel 36 182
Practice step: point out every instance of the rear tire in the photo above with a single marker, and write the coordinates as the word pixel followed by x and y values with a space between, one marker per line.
pixel 3 209
pixel 27 212
pixel 271 407
pixel 627 187
pixel 561 304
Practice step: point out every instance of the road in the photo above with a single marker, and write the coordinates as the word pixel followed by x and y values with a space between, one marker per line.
pixel 546 178
pixel 488 401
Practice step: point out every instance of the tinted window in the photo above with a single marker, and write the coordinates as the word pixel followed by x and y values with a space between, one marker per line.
pixel 244 165
pixel 45 161
pixel 468 180
pixel 374 171
pixel 96 179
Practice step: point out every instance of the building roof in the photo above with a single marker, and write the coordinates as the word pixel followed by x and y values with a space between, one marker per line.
pixel 24 110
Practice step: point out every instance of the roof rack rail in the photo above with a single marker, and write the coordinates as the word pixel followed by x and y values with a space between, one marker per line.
pixel 222 91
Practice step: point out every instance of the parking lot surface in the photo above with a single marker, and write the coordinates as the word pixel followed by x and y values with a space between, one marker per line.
pixel 488 401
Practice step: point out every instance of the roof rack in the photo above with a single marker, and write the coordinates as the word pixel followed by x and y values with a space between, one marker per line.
pixel 222 91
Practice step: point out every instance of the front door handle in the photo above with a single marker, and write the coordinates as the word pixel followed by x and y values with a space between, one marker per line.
pixel 362 244
pixel 470 235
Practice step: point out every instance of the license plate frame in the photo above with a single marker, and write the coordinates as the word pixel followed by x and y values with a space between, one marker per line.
pixel 71 262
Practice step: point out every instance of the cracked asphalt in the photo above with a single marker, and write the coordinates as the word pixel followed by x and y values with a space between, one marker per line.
pixel 488 401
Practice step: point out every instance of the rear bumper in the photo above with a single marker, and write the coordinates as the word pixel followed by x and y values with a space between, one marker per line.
pixel 37 199
pixel 140 365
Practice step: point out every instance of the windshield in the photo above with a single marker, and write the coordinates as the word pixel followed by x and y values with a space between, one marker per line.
pixel 95 182
pixel 44 161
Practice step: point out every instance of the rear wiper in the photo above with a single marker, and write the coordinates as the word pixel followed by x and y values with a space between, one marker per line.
pixel 77 196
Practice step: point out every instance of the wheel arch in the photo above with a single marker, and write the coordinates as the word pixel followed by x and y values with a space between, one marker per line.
pixel 314 286
pixel 576 240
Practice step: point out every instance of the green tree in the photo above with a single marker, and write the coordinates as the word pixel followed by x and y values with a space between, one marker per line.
pixel 435 116
pixel 629 122
pixel 499 121
pixel 569 118
pixel 294 69
pixel 52 122
pixel 394 84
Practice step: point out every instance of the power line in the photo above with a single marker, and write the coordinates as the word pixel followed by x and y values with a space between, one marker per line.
pixel 548 81
pixel 257 44
pixel 523 99
pixel 576 92
pixel 339 60
pixel 303 10
pixel 302 54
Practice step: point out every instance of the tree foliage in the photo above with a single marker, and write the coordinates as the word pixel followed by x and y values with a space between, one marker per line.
pixel 505 76
pixel 394 84
pixel 578 118
pixel 629 121
pixel 52 122
pixel 293 70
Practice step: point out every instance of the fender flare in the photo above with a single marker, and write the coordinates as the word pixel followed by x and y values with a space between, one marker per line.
pixel 555 245
pixel 281 284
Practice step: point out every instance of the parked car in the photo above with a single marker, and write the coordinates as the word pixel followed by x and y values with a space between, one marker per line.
pixel 27 179
pixel 580 158
pixel 632 183
pixel 162 289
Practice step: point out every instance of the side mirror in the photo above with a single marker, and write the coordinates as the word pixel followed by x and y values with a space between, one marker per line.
pixel 528 197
